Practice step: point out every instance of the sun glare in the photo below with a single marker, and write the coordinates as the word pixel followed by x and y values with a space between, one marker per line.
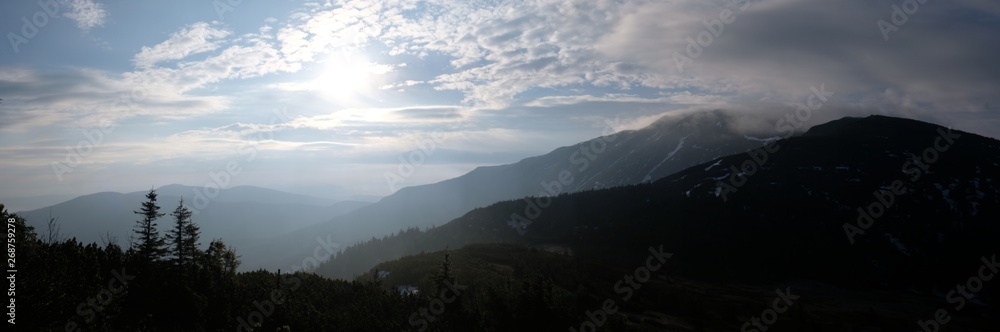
pixel 344 78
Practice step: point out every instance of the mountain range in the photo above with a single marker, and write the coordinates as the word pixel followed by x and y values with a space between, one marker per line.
pixel 874 223
pixel 872 201
pixel 666 146
pixel 243 216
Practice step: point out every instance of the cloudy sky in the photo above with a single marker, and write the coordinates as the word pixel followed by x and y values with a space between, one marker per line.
pixel 103 95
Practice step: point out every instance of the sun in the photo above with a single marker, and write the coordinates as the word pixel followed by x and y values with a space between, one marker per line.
pixel 344 77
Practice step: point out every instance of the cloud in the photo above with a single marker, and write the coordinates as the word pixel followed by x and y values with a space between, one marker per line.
pixel 197 38
pixel 86 13
pixel 550 101
pixel 778 48
pixel 550 53
pixel 89 98
pixel 503 53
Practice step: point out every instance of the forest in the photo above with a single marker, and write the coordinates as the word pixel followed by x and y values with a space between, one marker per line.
pixel 166 282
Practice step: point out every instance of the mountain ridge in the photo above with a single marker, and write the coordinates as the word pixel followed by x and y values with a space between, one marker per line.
pixel 621 158
pixel 773 211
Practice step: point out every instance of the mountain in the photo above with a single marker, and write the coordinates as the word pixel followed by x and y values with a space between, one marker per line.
pixel 668 145
pixel 33 202
pixel 244 194
pixel 242 216
pixel 328 191
pixel 861 202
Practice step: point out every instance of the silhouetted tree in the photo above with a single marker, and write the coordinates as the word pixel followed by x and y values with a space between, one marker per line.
pixel 445 275
pixel 220 259
pixel 148 243
pixel 183 238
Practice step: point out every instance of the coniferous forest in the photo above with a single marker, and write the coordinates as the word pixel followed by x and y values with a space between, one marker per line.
pixel 167 282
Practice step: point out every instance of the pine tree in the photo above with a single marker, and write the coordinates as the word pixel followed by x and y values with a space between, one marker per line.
pixel 147 241
pixel 183 238
pixel 444 277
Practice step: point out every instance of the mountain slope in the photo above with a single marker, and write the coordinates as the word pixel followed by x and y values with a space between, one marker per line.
pixel 667 146
pixel 554 291
pixel 792 218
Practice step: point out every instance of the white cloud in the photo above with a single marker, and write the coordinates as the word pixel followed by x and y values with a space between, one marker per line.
pixel 86 13
pixel 550 101
pixel 196 38
pixel 89 98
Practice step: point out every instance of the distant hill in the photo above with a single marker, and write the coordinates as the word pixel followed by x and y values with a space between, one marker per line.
pixel 242 216
pixel 33 202
pixel 670 144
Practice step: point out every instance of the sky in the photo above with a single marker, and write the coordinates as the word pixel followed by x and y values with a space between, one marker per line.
pixel 369 96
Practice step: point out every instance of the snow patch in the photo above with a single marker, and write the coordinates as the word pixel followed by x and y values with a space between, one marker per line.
pixel 670 155
pixel 899 244
pixel 946 194
pixel 717 163
pixel 768 139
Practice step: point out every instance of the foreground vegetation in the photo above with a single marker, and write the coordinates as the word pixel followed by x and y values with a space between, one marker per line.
pixel 168 283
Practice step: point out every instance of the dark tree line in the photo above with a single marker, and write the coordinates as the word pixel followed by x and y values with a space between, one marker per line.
pixel 167 282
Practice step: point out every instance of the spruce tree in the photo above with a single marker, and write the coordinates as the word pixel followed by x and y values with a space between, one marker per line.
pixel 444 277
pixel 146 238
pixel 183 237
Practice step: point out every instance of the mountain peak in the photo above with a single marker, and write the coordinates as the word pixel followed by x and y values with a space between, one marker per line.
pixel 871 126
pixel 716 117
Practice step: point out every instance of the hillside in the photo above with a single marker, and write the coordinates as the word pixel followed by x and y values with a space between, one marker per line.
pixel 787 220
pixel 562 289
pixel 670 144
